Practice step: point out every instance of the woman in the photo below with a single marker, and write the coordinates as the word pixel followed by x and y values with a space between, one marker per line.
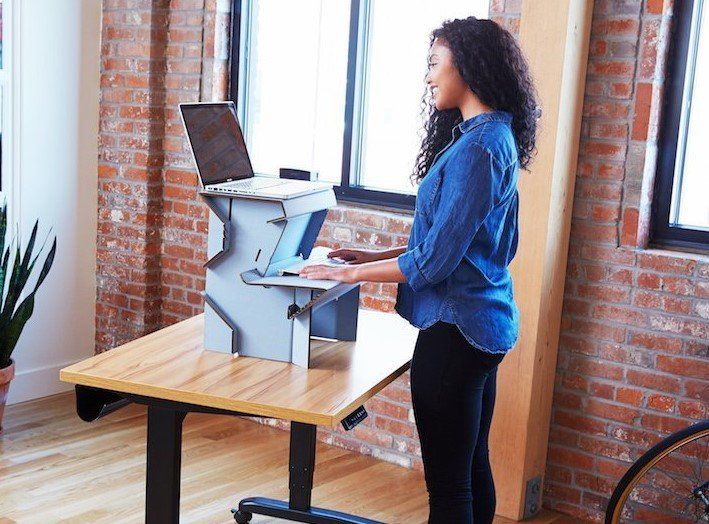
pixel 455 285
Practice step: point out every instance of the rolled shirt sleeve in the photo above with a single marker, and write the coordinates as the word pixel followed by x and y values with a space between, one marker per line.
pixel 469 188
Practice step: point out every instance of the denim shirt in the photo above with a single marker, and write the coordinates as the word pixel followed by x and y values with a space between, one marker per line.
pixel 464 235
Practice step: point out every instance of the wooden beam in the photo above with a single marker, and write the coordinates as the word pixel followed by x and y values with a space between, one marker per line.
pixel 554 35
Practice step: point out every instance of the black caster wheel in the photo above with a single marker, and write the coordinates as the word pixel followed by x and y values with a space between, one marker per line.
pixel 242 517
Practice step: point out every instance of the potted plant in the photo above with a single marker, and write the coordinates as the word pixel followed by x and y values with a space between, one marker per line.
pixel 16 305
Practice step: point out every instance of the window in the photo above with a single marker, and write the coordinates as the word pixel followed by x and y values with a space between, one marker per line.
pixel 335 86
pixel 680 208
pixel 2 96
pixel 7 67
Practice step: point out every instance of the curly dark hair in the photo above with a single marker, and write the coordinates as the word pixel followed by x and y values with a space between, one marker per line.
pixel 490 61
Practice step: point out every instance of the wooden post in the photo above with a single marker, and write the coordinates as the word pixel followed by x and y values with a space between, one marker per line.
pixel 554 35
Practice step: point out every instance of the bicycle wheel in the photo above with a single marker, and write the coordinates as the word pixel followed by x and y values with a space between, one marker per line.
pixel 667 484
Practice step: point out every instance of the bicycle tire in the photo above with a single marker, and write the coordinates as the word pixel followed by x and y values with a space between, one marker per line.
pixel 646 461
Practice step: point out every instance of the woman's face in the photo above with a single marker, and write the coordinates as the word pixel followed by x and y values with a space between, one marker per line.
pixel 443 79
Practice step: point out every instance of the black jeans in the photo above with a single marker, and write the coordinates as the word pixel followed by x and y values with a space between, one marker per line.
pixel 453 396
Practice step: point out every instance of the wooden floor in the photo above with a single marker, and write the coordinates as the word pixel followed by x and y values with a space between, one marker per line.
pixel 56 468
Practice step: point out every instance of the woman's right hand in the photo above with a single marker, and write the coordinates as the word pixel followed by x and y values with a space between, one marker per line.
pixel 355 256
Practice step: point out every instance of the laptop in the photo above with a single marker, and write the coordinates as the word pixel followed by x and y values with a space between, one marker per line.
pixel 221 158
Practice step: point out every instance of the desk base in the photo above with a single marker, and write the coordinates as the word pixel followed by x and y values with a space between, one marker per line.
pixel 300 483
pixel 280 509
pixel 164 447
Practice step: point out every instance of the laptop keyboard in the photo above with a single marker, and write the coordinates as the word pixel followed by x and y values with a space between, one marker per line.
pixel 250 184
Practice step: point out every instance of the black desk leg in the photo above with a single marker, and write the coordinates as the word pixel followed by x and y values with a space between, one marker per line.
pixel 162 486
pixel 302 464
pixel 301 469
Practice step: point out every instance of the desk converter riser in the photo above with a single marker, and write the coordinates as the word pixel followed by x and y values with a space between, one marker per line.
pixel 247 303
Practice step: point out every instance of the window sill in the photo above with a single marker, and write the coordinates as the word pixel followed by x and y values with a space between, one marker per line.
pixel 374 207
pixel 390 202
pixel 672 251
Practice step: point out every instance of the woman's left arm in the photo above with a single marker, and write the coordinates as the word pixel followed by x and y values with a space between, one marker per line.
pixel 378 271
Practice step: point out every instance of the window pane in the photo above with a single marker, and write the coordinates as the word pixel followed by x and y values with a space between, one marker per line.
pixel 1 38
pixel 396 67
pixel 689 207
pixel 296 91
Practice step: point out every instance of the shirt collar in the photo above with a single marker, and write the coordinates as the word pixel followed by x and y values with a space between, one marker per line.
pixel 492 116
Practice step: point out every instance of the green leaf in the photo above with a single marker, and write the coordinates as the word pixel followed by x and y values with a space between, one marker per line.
pixel 18 280
pixel 24 274
pixel 10 335
pixel 13 291
pixel 3 272
pixel 13 331
pixel 47 266
pixel 3 228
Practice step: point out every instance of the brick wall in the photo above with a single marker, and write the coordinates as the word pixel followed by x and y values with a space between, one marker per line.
pixel 151 224
pixel 632 358
pixel 632 354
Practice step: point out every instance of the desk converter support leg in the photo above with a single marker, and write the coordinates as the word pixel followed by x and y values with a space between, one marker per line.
pixel 162 486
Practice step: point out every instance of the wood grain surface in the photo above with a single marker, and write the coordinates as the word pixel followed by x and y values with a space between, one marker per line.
pixel 171 364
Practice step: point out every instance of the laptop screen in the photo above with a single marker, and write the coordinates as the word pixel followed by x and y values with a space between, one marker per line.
pixel 217 142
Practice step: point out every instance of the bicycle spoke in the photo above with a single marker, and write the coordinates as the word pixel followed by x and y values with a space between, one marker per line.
pixel 701 461
pixel 678 482
pixel 691 496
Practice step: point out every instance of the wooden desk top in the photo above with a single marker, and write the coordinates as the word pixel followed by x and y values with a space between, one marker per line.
pixel 171 364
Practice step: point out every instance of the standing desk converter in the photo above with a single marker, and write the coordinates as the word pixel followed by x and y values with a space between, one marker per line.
pixel 170 373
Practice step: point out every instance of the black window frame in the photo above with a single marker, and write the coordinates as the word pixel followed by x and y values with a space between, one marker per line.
pixel 345 192
pixel 662 233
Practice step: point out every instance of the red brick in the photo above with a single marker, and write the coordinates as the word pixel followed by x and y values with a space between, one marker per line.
pixel 622 315
pixel 628 236
pixel 653 380
pixel 611 411
pixel 661 423
pixel 562 492
pixel 667 264
pixel 597 446
pixel 568 457
pixel 611 68
pixel 594 482
pixel 654 7
pixel 602 390
pixel 693 409
pixel 647 300
pixel 677 305
pixel 611 468
pixel 596 368
pixel 661 403
pixel 631 396
pixel 649 281
pixel 615 26
pixel 656 342
pixel 609 130
pixel 648 49
pixel 639 437
pixel 389 409
pixel 621 89
pixel 605 109
pixel 598 330
pixel 395 427
pixel 643 99
pixel 605 293
pixel 683 367
pixel 678 286
pixel 608 254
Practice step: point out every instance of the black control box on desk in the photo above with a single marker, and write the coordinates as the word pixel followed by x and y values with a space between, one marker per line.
pixel 298 174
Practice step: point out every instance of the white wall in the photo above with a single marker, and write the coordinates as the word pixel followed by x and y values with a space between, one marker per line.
pixel 59 45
